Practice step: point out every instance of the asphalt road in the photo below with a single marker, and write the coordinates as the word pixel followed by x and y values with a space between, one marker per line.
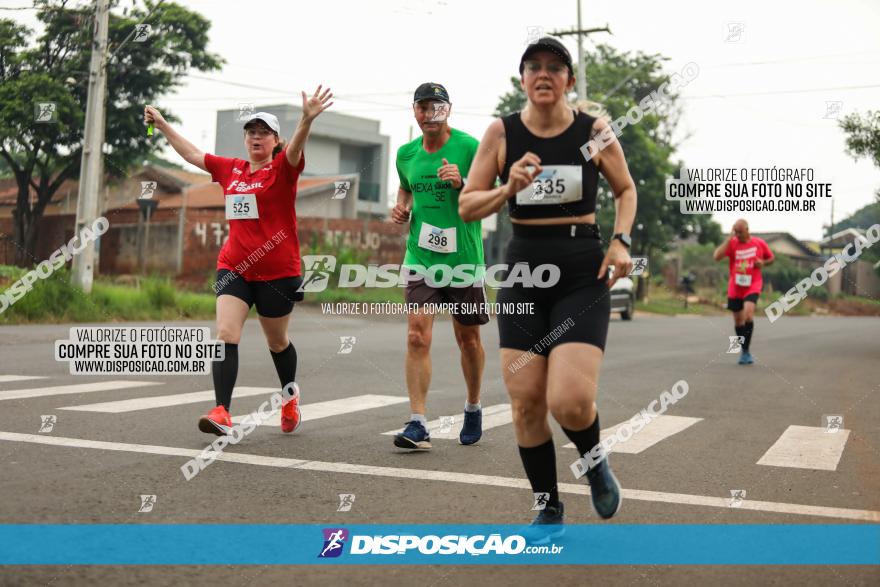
pixel 805 368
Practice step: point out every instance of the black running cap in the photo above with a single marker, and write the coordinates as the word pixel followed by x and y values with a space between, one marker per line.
pixel 550 44
pixel 431 91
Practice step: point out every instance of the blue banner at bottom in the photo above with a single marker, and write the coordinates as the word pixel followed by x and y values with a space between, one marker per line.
pixel 265 544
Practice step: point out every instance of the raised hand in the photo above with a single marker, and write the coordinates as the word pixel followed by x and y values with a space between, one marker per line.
pixel 154 117
pixel 315 105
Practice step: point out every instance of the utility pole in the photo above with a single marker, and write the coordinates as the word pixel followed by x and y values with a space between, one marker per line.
pixel 831 226
pixel 92 166
pixel 580 33
pixel 582 77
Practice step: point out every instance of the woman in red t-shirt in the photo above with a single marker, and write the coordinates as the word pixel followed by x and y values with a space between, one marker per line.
pixel 260 262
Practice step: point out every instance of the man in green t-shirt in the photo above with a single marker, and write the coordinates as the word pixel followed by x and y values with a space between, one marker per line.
pixel 444 259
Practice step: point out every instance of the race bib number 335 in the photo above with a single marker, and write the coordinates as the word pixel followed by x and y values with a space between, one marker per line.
pixel 557 184
pixel 439 240
pixel 241 207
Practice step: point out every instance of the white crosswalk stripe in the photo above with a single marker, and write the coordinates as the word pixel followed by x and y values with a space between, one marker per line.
pixel 164 401
pixel 11 378
pixel 73 389
pixel 335 407
pixel 493 416
pixel 807 447
pixel 424 474
pixel 801 447
pixel 659 429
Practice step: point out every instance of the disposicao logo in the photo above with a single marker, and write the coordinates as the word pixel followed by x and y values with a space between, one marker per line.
pixel 334 540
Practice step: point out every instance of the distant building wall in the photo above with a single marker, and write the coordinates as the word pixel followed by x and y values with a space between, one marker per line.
pixel 52 232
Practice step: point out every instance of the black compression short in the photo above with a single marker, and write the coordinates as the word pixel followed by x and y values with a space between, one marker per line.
pixel 736 304
pixel 274 298
pixel 576 309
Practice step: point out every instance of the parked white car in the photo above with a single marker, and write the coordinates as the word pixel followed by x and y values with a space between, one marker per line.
pixel 623 298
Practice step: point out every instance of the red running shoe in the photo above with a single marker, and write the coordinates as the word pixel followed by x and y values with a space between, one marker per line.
pixel 291 416
pixel 217 421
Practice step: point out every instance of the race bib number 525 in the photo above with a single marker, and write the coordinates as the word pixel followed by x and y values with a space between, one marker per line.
pixel 241 207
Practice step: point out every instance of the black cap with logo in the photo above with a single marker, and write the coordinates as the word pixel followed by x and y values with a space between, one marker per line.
pixel 431 91
pixel 550 44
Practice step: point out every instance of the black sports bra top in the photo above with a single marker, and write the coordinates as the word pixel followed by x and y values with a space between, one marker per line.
pixel 550 195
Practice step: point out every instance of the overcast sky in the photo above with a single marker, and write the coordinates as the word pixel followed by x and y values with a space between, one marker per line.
pixel 758 102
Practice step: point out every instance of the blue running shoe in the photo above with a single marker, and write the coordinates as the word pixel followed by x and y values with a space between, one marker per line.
pixel 413 437
pixel 472 430
pixel 547 525
pixel 746 358
pixel 604 490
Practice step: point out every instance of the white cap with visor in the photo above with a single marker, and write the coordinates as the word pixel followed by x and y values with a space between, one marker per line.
pixel 270 119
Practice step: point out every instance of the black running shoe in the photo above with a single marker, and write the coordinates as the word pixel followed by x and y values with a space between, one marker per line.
pixel 604 490
pixel 472 430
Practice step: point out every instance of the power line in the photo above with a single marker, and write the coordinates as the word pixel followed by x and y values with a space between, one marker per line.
pixel 781 92
pixel 341 97
pixel 791 60
pixel 361 101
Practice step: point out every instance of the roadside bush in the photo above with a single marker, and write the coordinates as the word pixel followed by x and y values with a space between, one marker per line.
pixel 783 274
pixel 698 259
pixel 159 291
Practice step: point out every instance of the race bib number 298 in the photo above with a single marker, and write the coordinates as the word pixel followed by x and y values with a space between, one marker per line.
pixel 440 240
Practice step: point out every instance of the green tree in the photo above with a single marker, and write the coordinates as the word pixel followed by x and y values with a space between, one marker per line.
pixel 863 135
pixel 863 218
pixel 618 81
pixel 863 140
pixel 53 69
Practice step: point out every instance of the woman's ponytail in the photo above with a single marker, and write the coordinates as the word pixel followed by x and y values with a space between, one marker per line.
pixel 593 109
pixel 278 148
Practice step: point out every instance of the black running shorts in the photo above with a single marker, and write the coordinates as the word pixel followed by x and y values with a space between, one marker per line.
pixel 736 304
pixel 273 298
pixel 575 309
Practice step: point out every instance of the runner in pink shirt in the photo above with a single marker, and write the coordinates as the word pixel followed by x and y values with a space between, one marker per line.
pixel 747 255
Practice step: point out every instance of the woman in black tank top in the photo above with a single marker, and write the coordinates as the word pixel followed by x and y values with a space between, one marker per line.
pixel 551 357
pixel 560 150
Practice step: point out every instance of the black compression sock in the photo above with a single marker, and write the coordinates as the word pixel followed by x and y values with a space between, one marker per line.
pixel 225 373
pixel 285 364
pixel 584 439
pixel 748 328
pixel 540 465
pixel 741 331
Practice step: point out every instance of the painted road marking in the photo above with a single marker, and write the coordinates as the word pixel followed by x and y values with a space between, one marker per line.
pixel 493 416
pixel 336 407
pixel 11 378
pixel 164 401
pixel 807 447
pixel 72 389
pixel 659 429
pixel 447 476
